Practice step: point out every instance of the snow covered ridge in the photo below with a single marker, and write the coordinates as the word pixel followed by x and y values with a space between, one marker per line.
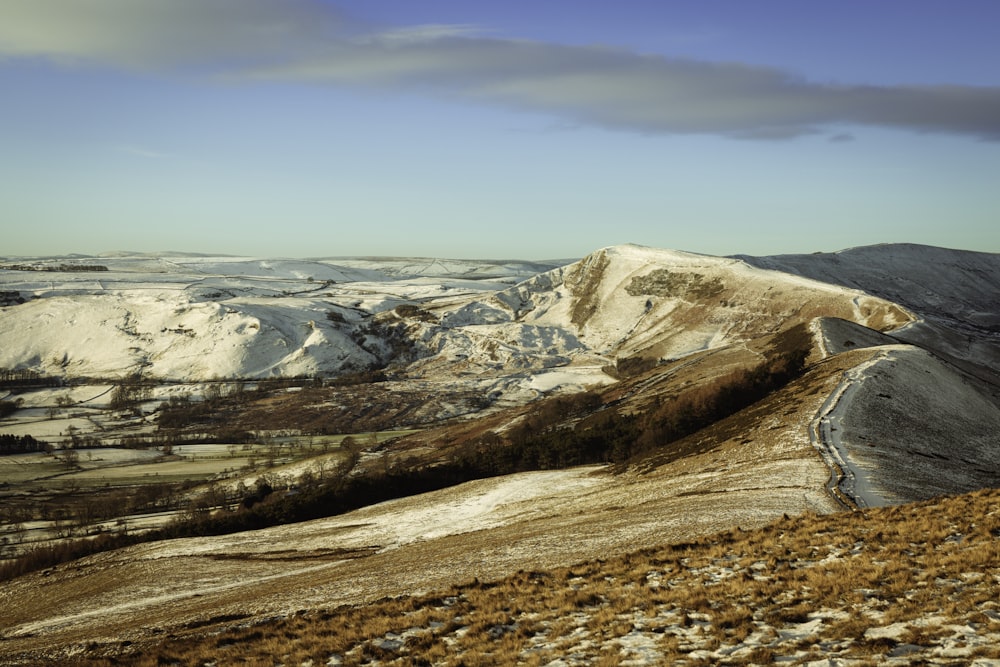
pixel 198 317
pixel 202 317
pixel 935 281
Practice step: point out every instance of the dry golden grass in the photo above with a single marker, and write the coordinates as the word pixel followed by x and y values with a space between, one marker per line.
pixel 852 585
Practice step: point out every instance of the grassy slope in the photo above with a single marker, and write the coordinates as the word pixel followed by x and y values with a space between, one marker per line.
pixel 917 582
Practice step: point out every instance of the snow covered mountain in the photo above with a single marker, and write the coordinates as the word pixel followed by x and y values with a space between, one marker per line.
pixel 198 318
pixel 202 318
pixel 954 292
pixel 630 300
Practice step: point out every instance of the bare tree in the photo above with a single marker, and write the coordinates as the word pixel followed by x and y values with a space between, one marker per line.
pixel 69 457
pixel 130 393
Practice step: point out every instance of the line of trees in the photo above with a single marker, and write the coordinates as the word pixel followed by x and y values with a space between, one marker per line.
pixel 21 444
pixel 26 378
pixel 54 267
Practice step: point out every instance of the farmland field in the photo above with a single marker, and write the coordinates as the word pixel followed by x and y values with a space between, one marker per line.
pixel 72 491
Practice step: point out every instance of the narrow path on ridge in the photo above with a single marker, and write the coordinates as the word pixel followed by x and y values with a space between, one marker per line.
pixel 848 484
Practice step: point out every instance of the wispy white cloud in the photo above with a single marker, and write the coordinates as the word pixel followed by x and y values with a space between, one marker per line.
pixel 613 88
pixel 424 33
pixel 157 34
pixel 139 151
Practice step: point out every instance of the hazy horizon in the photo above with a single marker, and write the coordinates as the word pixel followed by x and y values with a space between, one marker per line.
pixel 111 254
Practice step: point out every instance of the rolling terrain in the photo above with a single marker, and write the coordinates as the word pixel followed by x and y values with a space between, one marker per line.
pixel 820 383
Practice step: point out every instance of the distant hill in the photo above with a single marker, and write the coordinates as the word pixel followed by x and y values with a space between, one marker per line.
pixel 954 293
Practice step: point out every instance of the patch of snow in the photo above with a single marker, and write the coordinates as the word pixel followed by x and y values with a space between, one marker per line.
pixel 575 378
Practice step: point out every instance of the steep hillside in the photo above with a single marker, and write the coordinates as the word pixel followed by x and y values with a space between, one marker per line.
pixel 905 424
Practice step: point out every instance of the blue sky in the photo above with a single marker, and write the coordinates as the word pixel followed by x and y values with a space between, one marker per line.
pixel 542 129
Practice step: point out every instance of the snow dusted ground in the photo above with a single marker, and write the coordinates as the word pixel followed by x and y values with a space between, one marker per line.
pixel 903 424
pixel 483 529
pixel 915 427
pixel 843 591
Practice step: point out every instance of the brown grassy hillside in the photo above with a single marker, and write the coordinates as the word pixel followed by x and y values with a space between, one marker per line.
pixel 917 583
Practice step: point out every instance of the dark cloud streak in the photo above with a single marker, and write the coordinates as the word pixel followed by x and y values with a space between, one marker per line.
pixel 306 40
pixel 653 94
